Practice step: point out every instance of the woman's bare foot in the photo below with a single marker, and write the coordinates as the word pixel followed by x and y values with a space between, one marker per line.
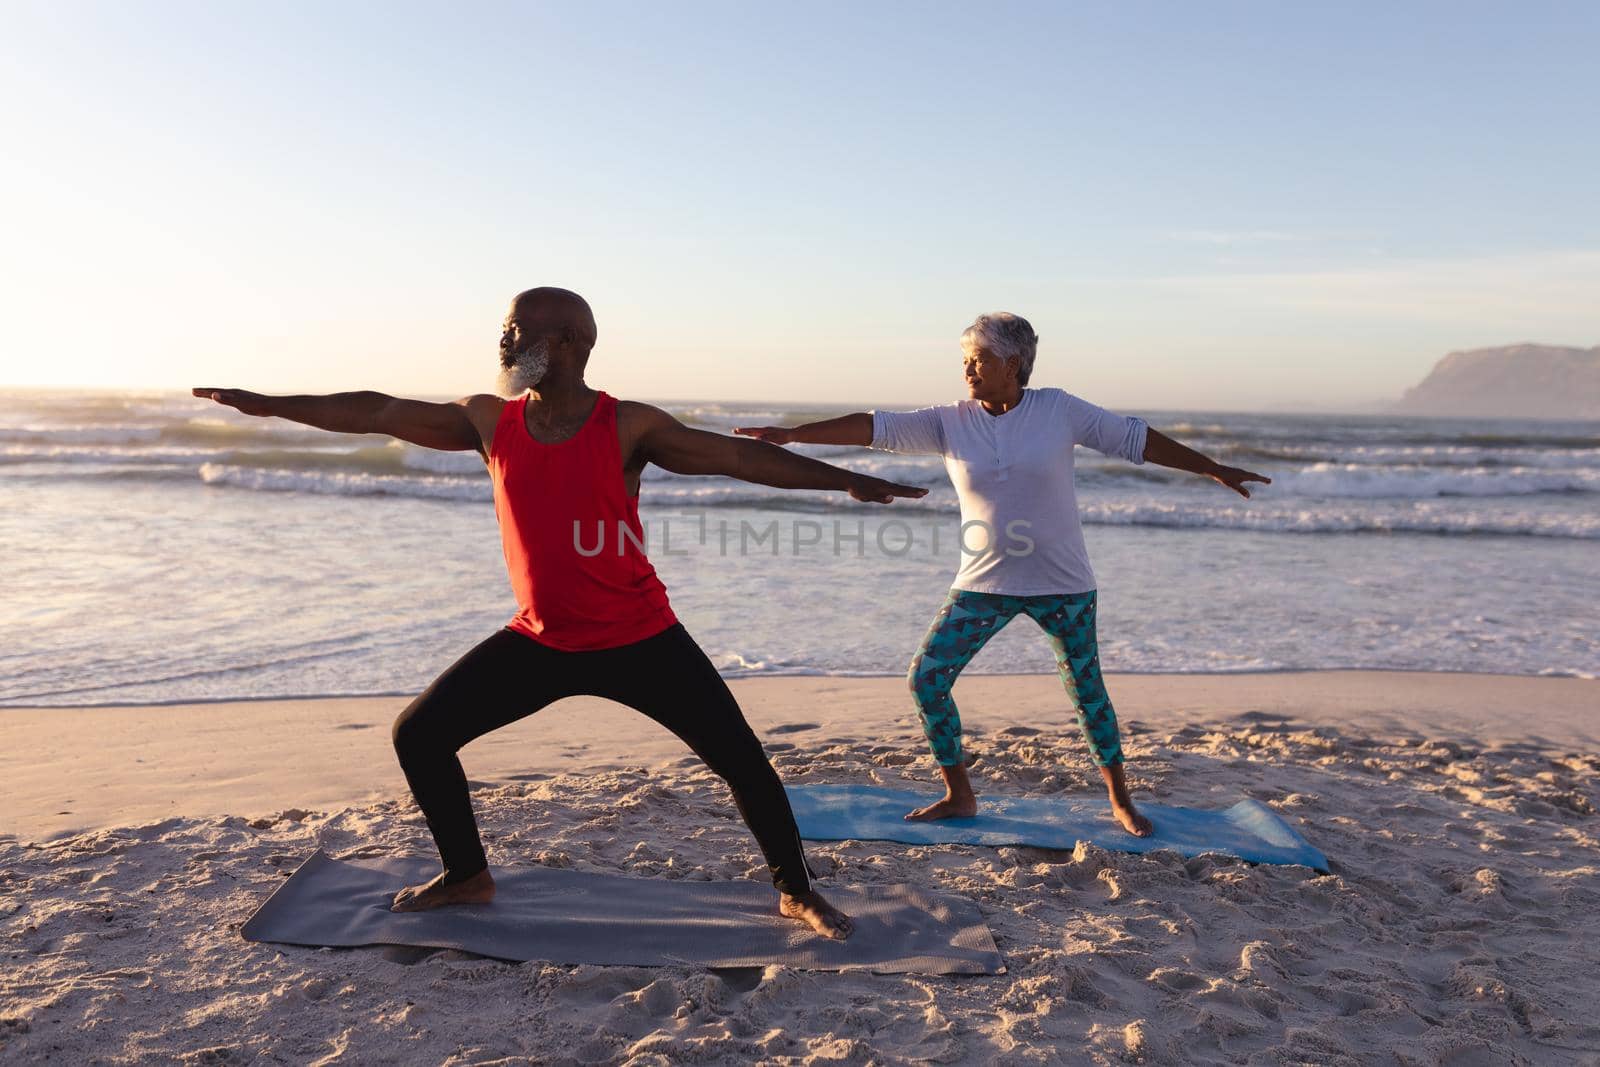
pixel 818 914
pixel 959 802
pixel 1131 820
pixel 1122 808
pixel 479 889
pixel 951 807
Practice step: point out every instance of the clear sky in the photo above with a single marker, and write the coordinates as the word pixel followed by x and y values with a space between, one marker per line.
pixel 1225 205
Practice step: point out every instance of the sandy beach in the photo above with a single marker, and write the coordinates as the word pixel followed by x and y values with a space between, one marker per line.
pixel 1457 925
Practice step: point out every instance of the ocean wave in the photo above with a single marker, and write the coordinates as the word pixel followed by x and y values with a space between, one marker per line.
pixel 1266 513
pixel 1348 520
pixel 1292 431
pixel 197 432
pixel 393 457
pixel 131 694
pixel 1409 455
pixel 80 435
pixel 1416 482
pixel 1269 444
pixel 411 457
pixel 693 494
pixel 221 433
pixel 346 483
pixel 102 455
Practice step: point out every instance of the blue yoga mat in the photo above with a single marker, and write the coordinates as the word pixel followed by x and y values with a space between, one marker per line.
pixel 1249 830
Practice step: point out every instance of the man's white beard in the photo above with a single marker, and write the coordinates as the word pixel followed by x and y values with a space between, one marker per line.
pixel 527 370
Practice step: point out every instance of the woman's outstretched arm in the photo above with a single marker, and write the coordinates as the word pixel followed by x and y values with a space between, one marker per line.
pixel 672 446
pixel 1163 450
pixel 853 429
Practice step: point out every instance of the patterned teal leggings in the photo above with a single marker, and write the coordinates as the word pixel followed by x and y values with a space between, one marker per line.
pixel 964 625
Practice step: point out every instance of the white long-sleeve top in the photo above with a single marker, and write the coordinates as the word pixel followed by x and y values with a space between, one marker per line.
pixel 1013 475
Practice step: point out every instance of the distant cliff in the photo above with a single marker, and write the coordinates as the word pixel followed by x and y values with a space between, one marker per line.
pixel 1512 381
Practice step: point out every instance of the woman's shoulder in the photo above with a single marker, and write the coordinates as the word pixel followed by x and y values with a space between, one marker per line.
pixel 1068 403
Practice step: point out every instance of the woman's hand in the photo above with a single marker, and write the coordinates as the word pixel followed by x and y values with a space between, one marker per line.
pixel 1234 478
pixel 773 435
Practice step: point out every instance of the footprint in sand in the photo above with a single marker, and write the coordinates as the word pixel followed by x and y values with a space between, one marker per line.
pixel 739 979
pixel 793 728
pixel 408 955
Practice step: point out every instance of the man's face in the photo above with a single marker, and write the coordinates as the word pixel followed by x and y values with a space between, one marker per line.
pixel 524 355
pixel 512 340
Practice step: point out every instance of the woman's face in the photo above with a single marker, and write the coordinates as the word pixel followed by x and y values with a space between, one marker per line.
pixel 988 376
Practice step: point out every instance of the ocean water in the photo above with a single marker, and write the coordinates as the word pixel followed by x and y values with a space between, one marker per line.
pixel 155 547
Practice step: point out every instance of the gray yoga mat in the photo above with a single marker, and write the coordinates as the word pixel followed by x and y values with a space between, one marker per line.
pixel 560 916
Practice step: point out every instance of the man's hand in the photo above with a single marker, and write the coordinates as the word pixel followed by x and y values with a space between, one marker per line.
pixel 247 402
pixel 1234 478
pixel 877 491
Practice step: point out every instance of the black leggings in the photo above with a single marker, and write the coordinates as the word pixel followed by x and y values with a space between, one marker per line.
pixel 510 676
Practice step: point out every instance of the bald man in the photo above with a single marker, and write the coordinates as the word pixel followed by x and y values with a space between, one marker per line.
pixel 565 458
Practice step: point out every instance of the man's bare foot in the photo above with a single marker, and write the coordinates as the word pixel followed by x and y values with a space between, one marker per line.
pixel 1131 820
pixel 818 914
pixel 479 889
pixel 951 807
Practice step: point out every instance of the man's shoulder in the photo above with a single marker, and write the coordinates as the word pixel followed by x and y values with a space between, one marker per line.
pixel 483 411
pixel 640 413
pixel 483 402
pixel 639 423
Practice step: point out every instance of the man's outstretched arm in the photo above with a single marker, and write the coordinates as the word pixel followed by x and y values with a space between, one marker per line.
pixel 669 444
pixel 1163 450
pixel 448 427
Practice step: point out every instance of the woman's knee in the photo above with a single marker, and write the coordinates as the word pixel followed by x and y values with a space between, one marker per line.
pixel 928 686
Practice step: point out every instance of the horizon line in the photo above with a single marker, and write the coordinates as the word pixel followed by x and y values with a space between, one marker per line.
pixel 1372 407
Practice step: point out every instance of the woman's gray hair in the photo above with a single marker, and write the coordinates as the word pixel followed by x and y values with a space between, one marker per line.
pixel 1004 336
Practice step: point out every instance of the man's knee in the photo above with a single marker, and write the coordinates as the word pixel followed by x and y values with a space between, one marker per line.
pixel 411 732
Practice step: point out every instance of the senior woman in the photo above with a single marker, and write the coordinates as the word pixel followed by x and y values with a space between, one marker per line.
pixel 1009 453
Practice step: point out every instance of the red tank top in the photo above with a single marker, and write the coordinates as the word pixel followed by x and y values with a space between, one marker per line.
pixel 557 504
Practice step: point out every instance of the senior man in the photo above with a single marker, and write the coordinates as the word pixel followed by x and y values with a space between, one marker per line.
pixel 561 454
